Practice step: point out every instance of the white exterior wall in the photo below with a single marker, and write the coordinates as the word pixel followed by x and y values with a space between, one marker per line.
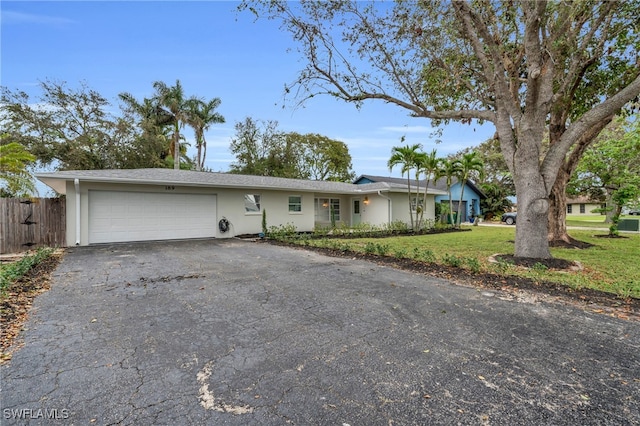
pixel 229 204
pixel 377 212
pixel 275 203
pixel 575 209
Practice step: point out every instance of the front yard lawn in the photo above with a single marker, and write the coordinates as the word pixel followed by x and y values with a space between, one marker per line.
pixel 609 266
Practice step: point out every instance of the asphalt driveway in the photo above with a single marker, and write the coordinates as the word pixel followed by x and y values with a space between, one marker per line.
pixel 233 332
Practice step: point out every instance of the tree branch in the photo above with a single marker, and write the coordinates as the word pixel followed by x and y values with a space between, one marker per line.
pixel 590 119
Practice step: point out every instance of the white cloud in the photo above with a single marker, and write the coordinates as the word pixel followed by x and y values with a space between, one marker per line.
pixel 11 17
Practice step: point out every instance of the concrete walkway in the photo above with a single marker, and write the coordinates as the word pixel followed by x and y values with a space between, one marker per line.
pixel 240 333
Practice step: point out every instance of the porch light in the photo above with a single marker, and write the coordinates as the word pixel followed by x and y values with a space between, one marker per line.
pixel 366 201
pixel 325 204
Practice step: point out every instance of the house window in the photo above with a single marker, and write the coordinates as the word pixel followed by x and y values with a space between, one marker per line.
pixel 335 208
pixel 295 204
pixel 583 209
pixel 324 207
pixel 569 208
pixel 417 201
pixel 252 203
pixel 356 206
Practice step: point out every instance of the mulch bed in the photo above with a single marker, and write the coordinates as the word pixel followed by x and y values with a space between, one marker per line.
pixel 531 262
pixel 16 303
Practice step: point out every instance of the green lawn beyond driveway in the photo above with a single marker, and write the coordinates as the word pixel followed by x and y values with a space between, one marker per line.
pixel 610 266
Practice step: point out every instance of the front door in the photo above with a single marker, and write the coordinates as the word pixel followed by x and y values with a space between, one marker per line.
pixel 355 211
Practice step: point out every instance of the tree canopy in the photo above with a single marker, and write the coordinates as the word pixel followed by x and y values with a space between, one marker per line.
pixel 262 149
pixel 15 179
pixel 530 68
pixel 72 129
pixel 610 168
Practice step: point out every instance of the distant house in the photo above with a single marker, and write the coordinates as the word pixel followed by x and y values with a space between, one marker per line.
pixel 582 205
pixel 470 201
pixel 106 206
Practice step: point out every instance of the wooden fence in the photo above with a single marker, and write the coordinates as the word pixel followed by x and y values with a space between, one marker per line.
pixel 28 223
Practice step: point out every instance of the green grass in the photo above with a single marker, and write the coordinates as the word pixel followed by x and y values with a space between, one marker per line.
pixel 611 265
pixel 591 221
pixel 11 272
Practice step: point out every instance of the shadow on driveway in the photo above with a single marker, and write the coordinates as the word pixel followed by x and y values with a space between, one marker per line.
pixel 234 332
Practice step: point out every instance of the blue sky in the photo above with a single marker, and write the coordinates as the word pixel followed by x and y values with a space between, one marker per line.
pixel 124 46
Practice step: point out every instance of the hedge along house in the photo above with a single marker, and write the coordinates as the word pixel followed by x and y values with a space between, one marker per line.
pixel 106 206
pixel 470 198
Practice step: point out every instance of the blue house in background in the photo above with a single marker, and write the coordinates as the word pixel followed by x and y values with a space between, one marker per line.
pixel 470 201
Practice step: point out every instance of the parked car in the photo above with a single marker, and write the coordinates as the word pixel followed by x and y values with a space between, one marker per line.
pixel 509 218
pixel 635 212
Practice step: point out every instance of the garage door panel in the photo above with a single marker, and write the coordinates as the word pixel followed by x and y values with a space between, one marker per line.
pixel 116 216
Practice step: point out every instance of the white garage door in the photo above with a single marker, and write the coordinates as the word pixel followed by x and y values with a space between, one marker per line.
pixel 141 216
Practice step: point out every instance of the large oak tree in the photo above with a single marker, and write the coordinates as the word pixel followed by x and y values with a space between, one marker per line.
pixel 262 149
pixel 531 68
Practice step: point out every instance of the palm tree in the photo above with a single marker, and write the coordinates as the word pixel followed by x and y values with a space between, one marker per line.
pixel 428 164
pixel 496 202
pixel 449 169
pixel 155 122
pixel 469 163
pixel 200 117
pixel 408 157
pixel 174 103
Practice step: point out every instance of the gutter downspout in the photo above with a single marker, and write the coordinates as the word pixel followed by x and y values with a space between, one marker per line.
pixel 76 183
pixel 389 204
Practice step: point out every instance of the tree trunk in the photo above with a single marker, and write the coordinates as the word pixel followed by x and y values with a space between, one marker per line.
pixel 612 206
pixel 558 197
pixel 416 224
pixel 204 153
pixel 532 222
pixel 459 218
pixel 199 161
pixel 451 218
pixel 176 149
pixel 558 209
pixel 424 202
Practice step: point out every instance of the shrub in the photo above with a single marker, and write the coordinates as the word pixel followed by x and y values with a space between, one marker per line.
pixel 473 264
pixel 401 253
pixel 264 222
pixel 502 265
pixel 320 231
pixel 370 248
pixel 345 247
pixel 397 226
pixel 452 260
pixel 428 256
pixel 14 271
pixel 282 232
pixel 382 249
pixel 427 224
